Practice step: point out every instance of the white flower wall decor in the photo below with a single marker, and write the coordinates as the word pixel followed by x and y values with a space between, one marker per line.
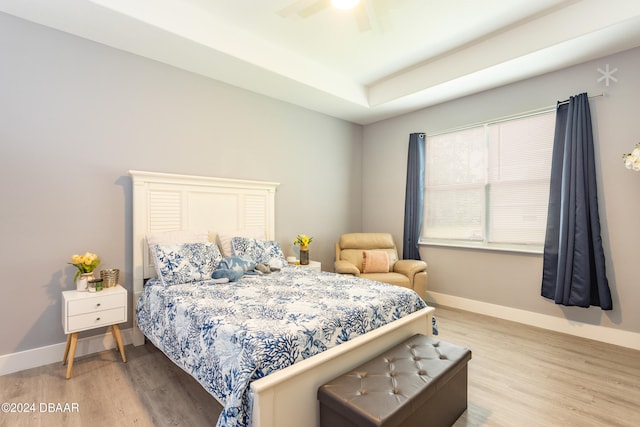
pixel 632 160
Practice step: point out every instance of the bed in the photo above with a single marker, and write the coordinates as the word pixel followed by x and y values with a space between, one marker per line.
pixel 280 393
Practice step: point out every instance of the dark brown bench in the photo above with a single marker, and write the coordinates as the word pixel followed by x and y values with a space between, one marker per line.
pixel 421 382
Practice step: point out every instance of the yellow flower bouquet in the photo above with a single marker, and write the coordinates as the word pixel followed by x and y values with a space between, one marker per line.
pixel 303 240
pixel 84 263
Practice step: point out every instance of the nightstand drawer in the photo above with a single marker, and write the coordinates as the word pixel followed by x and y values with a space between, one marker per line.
pixel 97 303
pixel 97 319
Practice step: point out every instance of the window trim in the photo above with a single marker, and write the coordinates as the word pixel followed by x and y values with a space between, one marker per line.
pixel 496 247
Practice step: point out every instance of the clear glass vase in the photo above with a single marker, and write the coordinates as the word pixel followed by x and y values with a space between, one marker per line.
pixel 304 256
pixel 83 280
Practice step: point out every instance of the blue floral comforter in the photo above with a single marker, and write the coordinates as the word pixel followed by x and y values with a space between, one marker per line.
pixel 228 335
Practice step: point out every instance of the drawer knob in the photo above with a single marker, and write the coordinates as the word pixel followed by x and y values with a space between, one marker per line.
pixel 97 319
pixel 98 305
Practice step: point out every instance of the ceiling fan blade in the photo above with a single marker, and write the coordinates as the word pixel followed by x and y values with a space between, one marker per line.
pixel 303 8
pixel 314 8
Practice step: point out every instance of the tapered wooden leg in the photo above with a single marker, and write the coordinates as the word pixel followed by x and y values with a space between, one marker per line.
pixel 113 334
pixel 72 354
pixel 115 330
pixel 66 350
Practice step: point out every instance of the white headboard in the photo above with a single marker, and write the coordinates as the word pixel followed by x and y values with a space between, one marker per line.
pixel 167 202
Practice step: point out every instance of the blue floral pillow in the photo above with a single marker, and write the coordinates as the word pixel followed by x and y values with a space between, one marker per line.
pixel 185 262
pixel 260 251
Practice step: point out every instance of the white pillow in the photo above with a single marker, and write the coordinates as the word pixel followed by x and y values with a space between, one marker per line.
pixel 178 236
pixel 225 238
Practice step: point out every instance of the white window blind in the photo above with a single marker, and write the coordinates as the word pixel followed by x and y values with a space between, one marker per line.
pixel 455 185
pixel 490 183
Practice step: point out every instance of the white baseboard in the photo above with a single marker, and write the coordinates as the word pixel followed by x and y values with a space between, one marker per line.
pixel 594 332
pixel 41 356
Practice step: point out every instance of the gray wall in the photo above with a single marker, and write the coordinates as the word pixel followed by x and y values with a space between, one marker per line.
pixel 509 279
pixel 76 116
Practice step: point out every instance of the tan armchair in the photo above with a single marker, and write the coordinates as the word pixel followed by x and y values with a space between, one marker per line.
pixel 350 257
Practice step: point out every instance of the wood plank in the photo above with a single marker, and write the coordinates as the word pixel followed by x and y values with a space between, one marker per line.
pixel 148 390
pixel 520 375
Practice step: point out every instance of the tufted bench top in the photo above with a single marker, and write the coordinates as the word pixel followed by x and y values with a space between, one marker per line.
pixel 390 388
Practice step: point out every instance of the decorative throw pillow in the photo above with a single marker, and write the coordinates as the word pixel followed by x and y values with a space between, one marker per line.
pixel 185 262
pixel 225 238
pixel 272 255
pixel 260 251
pixel 375 262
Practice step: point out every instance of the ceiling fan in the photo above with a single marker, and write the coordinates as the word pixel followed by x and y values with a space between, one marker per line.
pixel 367 13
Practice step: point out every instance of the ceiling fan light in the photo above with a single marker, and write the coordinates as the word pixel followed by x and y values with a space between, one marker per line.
pixel 344 4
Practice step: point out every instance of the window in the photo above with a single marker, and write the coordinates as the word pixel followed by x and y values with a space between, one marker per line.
pixel 489 184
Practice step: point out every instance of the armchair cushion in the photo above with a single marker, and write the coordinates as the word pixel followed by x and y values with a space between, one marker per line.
pixel 391 278
pixel 375 262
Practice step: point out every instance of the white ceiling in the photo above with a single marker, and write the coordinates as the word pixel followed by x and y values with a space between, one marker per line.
pixel 416 53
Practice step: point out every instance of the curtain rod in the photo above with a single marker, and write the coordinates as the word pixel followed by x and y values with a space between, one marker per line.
pixel 566 101
pixel 522 115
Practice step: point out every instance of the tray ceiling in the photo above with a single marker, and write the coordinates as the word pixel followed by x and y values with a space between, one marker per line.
pixel 409 54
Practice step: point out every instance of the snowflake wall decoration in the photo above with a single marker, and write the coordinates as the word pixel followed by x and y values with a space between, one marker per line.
pixel 607 75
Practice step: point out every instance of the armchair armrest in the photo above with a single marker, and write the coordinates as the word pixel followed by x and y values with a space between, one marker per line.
pixel 345 267
pixel 409 267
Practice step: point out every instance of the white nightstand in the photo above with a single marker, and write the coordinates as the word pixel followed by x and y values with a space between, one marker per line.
pixel 314 265
pixel 82 311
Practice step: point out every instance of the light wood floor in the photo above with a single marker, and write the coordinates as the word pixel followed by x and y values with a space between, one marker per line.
pixel 518 376
pixel 524 376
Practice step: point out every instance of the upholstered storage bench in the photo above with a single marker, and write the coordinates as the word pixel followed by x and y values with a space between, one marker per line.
pixel 421 382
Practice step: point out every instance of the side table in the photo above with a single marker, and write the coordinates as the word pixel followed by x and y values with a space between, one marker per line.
pixel 314 265
pixel 82 311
